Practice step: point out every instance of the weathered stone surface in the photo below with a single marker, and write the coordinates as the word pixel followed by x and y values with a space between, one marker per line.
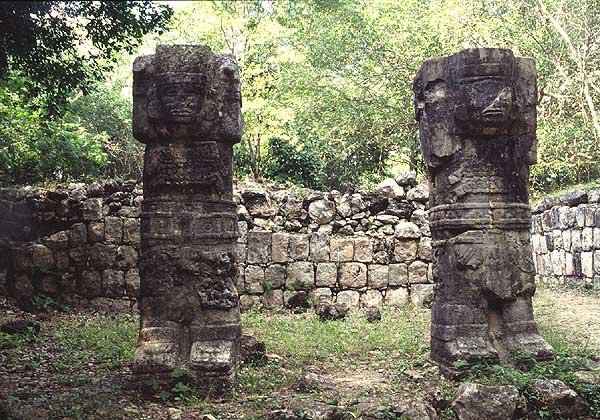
pixel 398 274
pixel 322 211
pixel 407 179
pixel 407 230
pixel 485 402
pixel 417 272
pixel 353 275
pixel 326 275
pixel 363 250
pixel 319 246
pixel 377 276
pixel 476 113
pixel 280 247
pixel 259 247
pixel 187 110
pixel 373 314
pixel 390 188
pixel 405 250
pixel 254 278
pixel 275 275
pixel 396 296
pixel 252 351
pixel 342 249
pixel 421 294
pixel 349 298
pixel 92 209
pixel 301 276
pixel 557 398
pixel 371 298
pixel 296 299
pixel 96 231
pixel 327 311
pixel 42 257
pixel 298 247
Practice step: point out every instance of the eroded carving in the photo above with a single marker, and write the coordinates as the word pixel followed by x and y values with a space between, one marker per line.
pixel 477 120
pixel 187 112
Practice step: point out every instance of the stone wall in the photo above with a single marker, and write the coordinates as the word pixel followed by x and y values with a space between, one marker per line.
pixel 80 244
pixel 566 239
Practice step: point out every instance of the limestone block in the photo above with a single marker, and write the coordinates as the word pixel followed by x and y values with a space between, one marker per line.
pixel 420 193
pixel 319 246
pixel 319 294
pixel 587 238
pixel 79 256
pixel 131 231
pixel 243 232
pixel 569 264
pixel 326 274
pixel 417 272
pixel 390 188
pixel 280 247
pixel 56 241
pixel 132 283
pixel 259 247
pixel 398 274
pixel 275 275
pixel 92 209
pixel 342 249
pixel 566 239
pixel 254 278
pixel 241 252
pixel 249 301
pixel 96 231
pixel 240 279
pixel 77 234
pixel 589 215
pixel 424 250
pixel 556 239
pixel 301 276
pixel 363 251
pixel 407 230
pixel 350 298
pixel 396 296
pixel 566 217
pixel 127 257
pixel 421 294
pixel 113 229
pixel 596 238
pixel 353 275
pixel 371 298
pixel 558 263
pixel 42 257
pixel 596 263
pixel 405 250
pixel 273 299
pixel 576 244
pixel 587 264
pixel 377 276
pixel 322 211
pixel 113 283
pixel 61 259
pixel 102 255
pixel 580 211
pixel 298 247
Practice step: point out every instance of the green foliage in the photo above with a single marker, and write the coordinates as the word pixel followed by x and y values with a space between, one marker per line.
pixel 33 149
pixel 287 162
pixel 67 46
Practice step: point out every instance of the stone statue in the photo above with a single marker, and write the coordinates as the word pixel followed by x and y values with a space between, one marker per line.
pixel 187 105
pixel 477 121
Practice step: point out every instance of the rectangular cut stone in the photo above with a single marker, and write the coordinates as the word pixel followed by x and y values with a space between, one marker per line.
pixel 241 251
pixel 396 296
pixel 580 215
pixel 587 238
pixel 353 275
pixel 424 252
pixel 254 279
pixel 350 298
pixel 371 298
pixel 377 276
pixel 575 240
pixel 557 239
pixel 243 232
pixel 273 299
pixel 566 240
pixel 596 263
pixel 215 355
pixel 417 272
pixel 363 251
pixel 280 247
pixel 398 274
pixel 275 275
pixel 569 264
pixel 298 247
pixel 587 264
pixel 558 263
pixel 342 249
pixel 259 247
pixel 113 229
pixel 301 276
pixel 131 231
pixel 405 250
pixel 421 294
pixel 326 274
pixel 319 246
pixel 596 240
pixel 321 293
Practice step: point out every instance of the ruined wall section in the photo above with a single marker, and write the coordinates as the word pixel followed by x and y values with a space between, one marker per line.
pixel 80 244
pixel 566 239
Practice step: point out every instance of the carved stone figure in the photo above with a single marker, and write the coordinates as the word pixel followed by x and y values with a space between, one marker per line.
pixel 187 111
pixel 477 120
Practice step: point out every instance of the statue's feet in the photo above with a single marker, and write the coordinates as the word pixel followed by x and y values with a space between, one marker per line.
pixel 455 357
pixel 529 345
pixel 213 356
pixel 156 357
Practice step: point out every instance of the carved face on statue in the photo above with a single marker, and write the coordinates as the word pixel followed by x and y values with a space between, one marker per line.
pixel 181 100
pixel 485 92
pixel 231 111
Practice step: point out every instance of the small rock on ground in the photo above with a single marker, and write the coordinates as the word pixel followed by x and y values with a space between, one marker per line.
pixel 485 402
pixel 252 351
pixel 327 311
pixel 556 397
pixel 373 314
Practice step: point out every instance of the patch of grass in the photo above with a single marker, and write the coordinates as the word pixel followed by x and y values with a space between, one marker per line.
pixel 304 338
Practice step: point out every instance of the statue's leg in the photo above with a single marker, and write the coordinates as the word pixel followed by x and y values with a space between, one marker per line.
pixel 519 334
pixel 459 326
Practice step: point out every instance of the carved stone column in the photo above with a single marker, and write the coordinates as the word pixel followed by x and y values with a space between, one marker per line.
pixel 477 120
pixel 187 111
